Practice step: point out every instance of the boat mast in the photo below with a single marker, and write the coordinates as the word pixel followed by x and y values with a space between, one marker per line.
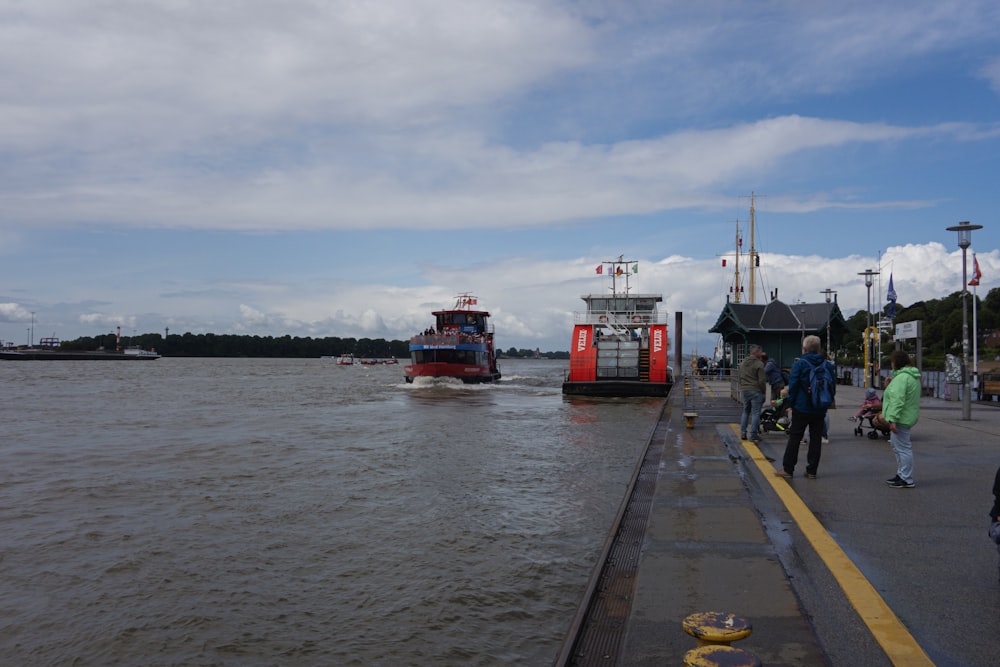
pixel 616 265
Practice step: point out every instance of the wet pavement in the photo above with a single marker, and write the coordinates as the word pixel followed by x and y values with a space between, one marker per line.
pixel 838 570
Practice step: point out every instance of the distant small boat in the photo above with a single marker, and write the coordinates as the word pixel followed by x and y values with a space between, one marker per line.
pixel 345 360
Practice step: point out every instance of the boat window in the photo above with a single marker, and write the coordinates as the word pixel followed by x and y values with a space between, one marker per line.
pixel 645 305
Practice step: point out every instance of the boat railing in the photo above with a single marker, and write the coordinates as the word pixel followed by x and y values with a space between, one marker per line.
pixel 446 339
pixel 613 319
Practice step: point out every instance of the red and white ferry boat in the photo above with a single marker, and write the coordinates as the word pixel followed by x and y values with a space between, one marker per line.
pixel 620 345
pixel 459 345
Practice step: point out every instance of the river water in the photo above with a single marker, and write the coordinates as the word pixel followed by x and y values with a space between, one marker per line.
pixel 293 512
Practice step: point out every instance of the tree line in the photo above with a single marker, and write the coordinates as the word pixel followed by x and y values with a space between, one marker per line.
pixel 941 327
pixel 227 345
pixel 941 322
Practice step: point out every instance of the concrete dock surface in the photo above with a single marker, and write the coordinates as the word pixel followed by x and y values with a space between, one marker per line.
pixel 837 570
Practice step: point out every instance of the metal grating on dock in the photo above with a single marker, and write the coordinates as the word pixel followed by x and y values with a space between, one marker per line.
pixel 598 631
pixel 597 634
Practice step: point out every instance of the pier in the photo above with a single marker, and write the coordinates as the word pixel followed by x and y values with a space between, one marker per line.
pixel 838 570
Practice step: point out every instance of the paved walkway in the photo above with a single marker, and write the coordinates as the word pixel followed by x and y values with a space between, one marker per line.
pixel 839 570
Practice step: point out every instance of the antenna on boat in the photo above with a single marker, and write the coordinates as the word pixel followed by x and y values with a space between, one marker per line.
pixel 617 271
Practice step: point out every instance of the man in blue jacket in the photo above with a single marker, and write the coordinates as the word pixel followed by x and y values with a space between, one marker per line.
pixel 805 413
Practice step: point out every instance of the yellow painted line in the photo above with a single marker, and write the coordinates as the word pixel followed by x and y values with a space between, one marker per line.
pixel 897 642
pixel 706 388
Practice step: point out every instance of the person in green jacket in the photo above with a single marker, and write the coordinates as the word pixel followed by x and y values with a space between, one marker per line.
pixel 901 410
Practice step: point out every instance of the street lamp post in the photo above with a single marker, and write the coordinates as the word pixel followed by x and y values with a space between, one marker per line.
pixel 965 230
pixel 870 371
pixel 828 292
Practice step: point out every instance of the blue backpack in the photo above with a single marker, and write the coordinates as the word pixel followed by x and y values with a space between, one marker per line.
pixel 821 385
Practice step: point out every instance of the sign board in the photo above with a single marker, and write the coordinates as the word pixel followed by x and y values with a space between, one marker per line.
pixel 952 369
pixel 908 330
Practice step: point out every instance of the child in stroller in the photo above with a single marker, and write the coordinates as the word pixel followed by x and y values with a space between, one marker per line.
pixel 774 417
pixel 871 411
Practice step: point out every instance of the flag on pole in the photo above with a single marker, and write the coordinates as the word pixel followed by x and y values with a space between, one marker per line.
pixel 976 273
pixel 635 267
pixel 618 271
pixel 891 296
pixel 600 269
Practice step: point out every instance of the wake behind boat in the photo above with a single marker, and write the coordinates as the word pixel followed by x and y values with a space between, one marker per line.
pixel 619 346
pixel 459 345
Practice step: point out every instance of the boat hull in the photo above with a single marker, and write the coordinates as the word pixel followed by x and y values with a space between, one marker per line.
pixel 623 388
pixel 464 372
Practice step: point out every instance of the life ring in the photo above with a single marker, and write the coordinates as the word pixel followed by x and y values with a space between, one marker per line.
pixel 637 318
pixel 603 319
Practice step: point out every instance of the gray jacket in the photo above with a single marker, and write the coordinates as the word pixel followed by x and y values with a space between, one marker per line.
pixel 752 377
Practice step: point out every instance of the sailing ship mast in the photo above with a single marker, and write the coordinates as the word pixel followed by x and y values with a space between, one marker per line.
pixel 754 258
pixel 739 246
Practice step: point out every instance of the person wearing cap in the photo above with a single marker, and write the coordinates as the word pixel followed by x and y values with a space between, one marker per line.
pixel 870 405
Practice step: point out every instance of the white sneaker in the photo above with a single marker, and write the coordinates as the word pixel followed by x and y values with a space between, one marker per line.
pixel 825 441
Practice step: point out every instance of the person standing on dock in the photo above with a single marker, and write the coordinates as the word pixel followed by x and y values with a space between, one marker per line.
pixel 901 410
pixel 775 378
pixel 810 394
pixel 753 384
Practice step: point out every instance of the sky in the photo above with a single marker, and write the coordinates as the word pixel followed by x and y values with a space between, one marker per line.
pixel 343 168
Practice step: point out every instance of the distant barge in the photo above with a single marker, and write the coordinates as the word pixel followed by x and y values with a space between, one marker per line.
pixel 47 350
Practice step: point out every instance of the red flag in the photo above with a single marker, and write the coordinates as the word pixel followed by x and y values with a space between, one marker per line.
pixel 976 273
pixel 600 269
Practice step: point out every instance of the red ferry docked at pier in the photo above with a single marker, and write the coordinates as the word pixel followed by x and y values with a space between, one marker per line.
pixel 459 345
pixel 620 345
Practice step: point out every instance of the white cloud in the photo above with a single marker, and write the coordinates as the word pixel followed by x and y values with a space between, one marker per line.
pixel 14 312
pixel 991 72
pixel 534 308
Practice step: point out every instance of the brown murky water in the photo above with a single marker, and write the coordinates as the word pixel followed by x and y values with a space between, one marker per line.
pixel 292 512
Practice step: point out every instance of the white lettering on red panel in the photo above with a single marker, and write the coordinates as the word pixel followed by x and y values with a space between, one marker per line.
pixel 581 340
pixel 657 340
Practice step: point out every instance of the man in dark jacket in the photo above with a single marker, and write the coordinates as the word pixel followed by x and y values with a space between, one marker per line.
pixel 804 413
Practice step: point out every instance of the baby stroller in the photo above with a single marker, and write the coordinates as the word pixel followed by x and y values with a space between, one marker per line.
pixel 773 417
pixel 871 412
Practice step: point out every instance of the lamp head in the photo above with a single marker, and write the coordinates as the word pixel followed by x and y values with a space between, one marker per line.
pixel 964 230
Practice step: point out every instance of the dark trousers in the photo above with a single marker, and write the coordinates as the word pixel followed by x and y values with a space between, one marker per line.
pixel 800 422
